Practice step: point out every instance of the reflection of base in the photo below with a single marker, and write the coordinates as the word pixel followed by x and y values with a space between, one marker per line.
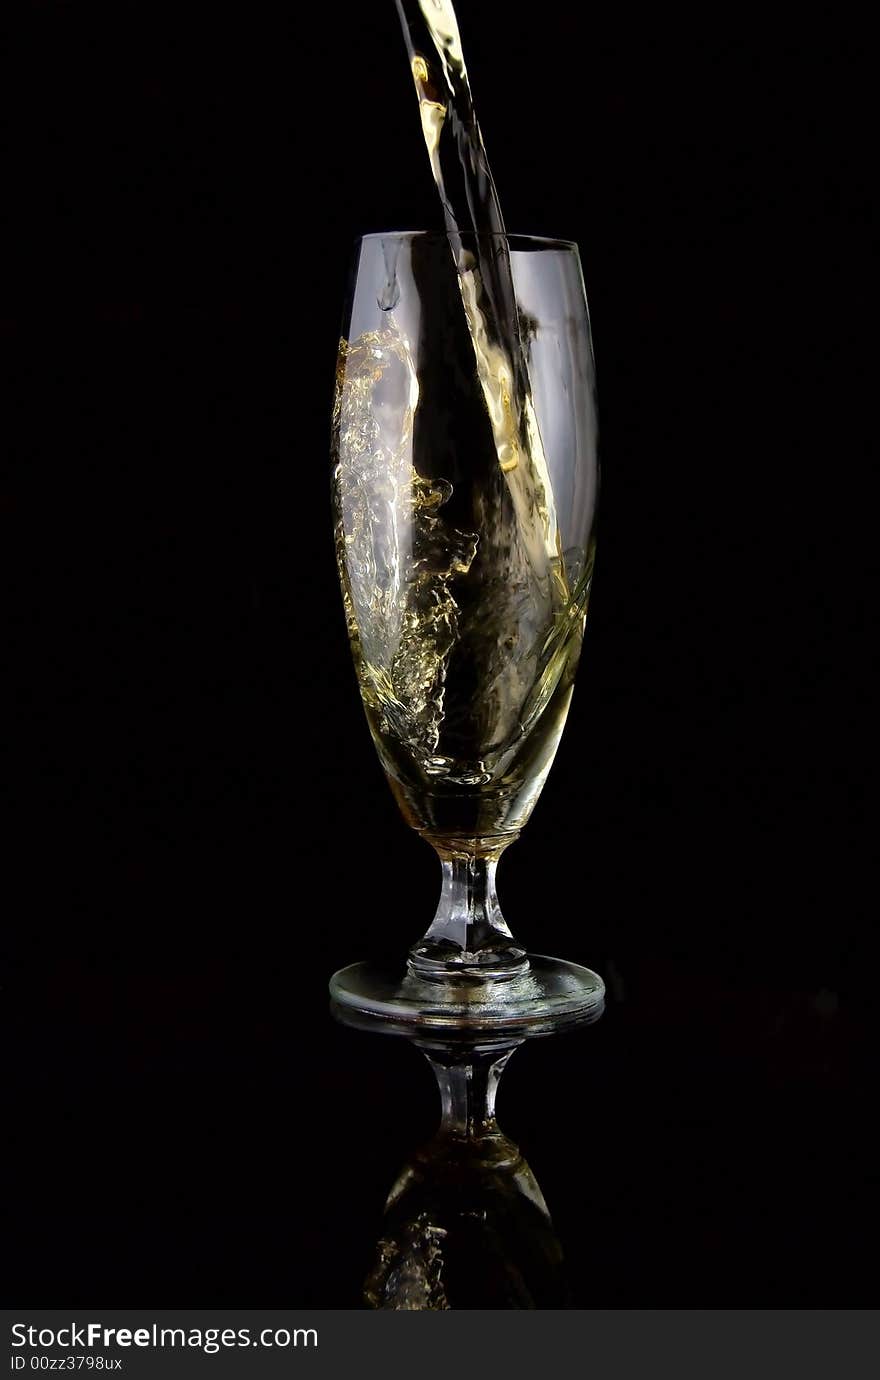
pixel 551 994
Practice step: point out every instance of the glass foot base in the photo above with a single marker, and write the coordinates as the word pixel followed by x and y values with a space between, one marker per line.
pixel 552 993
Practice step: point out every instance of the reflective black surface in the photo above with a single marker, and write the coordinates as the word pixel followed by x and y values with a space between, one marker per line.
pixel 187 1122
pixel 195 815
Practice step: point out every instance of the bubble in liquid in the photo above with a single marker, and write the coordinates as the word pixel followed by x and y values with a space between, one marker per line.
pixel 390 295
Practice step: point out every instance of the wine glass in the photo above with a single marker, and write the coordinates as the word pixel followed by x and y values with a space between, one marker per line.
pixel 465 576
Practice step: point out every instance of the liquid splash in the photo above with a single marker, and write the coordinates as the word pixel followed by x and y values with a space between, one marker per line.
pixel 398 557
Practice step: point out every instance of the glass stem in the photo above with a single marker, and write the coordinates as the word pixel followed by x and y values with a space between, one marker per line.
pixel 468 935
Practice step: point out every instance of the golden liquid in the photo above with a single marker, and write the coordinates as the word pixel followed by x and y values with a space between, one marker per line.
pixel 466 636
pixel 470 204
pixel 465 680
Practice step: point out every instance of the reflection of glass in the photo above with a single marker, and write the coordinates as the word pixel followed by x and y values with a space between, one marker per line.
pixel 466 1224
pixel 465 573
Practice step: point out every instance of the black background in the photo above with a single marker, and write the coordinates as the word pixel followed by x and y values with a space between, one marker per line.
pixel 199 831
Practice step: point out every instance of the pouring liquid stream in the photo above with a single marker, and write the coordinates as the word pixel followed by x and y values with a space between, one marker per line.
pixel 470 203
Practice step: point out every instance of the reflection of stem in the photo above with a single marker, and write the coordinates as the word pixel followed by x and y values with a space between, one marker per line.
pixel 468 1091
pixel 468 1081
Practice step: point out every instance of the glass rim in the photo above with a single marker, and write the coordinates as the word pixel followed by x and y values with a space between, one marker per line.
pixel 513 238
